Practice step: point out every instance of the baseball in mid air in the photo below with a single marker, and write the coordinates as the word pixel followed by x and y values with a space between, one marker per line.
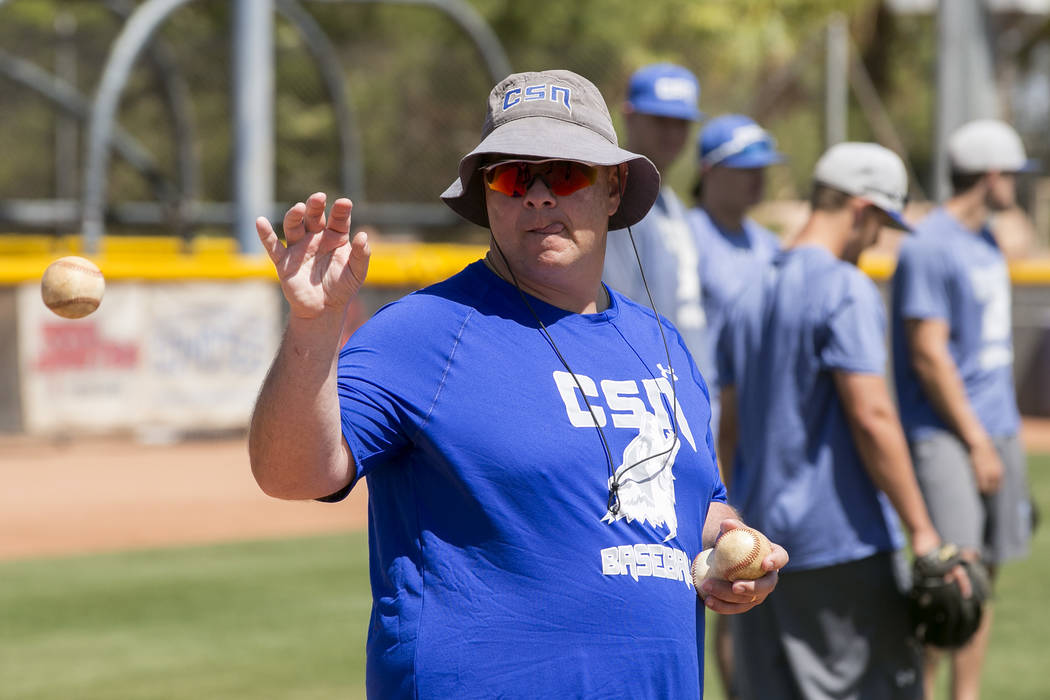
pixel 737 555
pixel 72 287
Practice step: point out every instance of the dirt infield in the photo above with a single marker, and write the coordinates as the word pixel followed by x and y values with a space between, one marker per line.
pixel 107 494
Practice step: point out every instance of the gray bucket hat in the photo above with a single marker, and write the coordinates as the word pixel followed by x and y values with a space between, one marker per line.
pixel 551 114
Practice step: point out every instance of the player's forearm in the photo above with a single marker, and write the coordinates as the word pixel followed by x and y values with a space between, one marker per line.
pixel 884 452
pixel 943 387
pixel 295 441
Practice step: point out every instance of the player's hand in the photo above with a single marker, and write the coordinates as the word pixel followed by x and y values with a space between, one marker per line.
pixel 320 268
pixel 987 466
pixel 734 597
pixel 925 540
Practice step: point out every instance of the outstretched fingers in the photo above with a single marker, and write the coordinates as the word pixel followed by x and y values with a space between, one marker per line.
pixel 357 264
pixel 270 242
pixel 339 218
pixel 313 215
pixel 294 223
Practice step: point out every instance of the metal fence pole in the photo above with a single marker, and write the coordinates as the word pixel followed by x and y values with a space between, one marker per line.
pixel 253 121
pixel 965 78
pixel 836 85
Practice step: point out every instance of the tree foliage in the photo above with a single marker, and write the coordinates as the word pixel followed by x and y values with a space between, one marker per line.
pixel 417 86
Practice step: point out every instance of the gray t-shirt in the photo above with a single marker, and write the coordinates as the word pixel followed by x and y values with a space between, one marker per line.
pixel 667 248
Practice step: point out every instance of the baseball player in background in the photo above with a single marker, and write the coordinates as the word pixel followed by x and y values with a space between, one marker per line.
pixel 660 109
pixel 815 453
pixel 734 153
pixel 953 366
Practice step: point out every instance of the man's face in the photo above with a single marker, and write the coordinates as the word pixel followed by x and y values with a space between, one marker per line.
pixel 868 222
pixel 737 189
pixel 1002 191
pixel 547 238
pixel 660 139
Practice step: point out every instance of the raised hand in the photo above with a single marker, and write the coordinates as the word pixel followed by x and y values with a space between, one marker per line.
pixel 320 268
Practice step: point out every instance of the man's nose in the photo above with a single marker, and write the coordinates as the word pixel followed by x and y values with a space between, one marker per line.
pixel 538 195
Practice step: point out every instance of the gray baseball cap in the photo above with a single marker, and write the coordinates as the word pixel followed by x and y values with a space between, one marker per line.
pixel 551 114
pixel 870 171
pixel 987 145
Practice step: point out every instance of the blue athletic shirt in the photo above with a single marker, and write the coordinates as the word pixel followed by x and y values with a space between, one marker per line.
pixel 948 272
pixel 726 261
pixel 797 475
pixel 496 567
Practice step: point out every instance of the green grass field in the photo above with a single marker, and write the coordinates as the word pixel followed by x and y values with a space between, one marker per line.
pixel 287 620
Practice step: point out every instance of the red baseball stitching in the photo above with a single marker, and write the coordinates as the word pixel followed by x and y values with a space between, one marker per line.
pixel 71 302
pixel 750 558
pixel 78 266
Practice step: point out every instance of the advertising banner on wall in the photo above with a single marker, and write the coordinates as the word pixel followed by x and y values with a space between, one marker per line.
pixel 179 356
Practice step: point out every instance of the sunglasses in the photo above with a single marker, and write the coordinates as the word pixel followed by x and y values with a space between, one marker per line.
pixel 562 177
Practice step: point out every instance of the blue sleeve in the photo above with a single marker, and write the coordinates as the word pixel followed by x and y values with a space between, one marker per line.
pixel 386 385
pixel 719 492
pixel 855 329
pixel 921 283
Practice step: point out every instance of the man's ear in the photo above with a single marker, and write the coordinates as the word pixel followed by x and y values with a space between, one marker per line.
pixel 860 208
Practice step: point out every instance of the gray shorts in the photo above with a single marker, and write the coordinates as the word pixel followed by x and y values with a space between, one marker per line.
pixel 837 632
pixel 999 525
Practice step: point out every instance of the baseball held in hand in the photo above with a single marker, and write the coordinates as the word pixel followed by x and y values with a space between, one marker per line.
pixel 72 287
pixel 737 555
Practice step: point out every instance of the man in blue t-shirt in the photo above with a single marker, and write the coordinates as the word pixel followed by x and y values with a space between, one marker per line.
pixel 953 366
pixel 660 109
pixel 734 153
pixel 814 452
pixel 536 446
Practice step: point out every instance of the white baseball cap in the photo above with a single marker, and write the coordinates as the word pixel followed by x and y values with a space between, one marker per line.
pixel 870 171
pixel 987 145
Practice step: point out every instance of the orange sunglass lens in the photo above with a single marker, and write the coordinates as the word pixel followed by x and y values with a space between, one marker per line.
pixel 508 179
pixel 566 178
pixel 563 178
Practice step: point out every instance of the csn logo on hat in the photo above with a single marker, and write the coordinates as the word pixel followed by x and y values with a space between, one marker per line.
pixel 532 93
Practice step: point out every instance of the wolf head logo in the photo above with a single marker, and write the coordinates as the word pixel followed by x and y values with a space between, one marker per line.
pixel 645 485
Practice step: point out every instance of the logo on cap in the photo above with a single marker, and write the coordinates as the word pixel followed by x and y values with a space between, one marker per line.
pixel 674 89
pixel 534 93
pixel 742 137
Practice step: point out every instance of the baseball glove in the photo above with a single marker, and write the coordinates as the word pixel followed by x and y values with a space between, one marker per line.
pixel 941 616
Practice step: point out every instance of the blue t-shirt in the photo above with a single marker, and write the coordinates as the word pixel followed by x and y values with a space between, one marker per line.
pixel 667 249
pixel 948 272
pixel 797 475
pixel 726 261
pixel 497 568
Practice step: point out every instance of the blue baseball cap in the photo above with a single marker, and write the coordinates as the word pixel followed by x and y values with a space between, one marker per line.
pixel 665 90
pixel 736 141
